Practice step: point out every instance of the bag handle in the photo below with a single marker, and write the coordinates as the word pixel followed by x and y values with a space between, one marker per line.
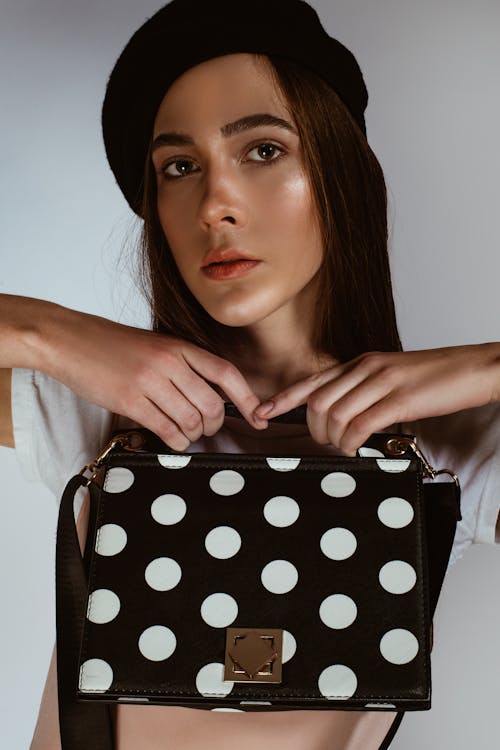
pixel 294 416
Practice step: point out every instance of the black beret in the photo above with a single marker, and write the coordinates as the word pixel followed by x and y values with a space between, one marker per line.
pixel 184 33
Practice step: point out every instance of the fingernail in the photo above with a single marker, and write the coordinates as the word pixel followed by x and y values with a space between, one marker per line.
pixel 264 408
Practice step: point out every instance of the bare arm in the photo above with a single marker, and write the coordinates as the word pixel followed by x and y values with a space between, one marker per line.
pixel 6 430
pixel 16 322
pixel 159 381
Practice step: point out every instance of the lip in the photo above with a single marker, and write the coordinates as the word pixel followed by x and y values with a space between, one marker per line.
pixel 219 254
pixel 230 270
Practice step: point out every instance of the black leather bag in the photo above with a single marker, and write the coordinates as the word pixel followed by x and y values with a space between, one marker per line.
pixel 250 582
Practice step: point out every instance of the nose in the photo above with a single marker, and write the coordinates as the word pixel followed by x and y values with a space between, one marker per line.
pixel 222 199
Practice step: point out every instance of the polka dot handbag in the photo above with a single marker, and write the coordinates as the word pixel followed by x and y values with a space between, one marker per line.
pixel 252 582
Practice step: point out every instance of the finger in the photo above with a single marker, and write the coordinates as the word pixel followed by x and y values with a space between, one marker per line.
pixel 330 416
pixel 154 419
pixel 203 397
pixel 386 412
pixel 174 404
pixel 230 379
pixel 298 393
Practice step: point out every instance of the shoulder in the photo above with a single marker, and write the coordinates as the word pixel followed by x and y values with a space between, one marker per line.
pixel 56 431
pixel 467 443
pixel 464 438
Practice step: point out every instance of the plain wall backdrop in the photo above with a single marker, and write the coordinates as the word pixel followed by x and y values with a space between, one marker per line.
pixel 432 74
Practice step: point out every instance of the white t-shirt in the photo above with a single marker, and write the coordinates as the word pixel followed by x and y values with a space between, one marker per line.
pixel 56 433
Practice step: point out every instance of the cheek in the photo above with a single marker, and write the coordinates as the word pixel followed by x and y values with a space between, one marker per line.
pixel 173 224
pixel 297 228
pixel 170 216
pixel 289 203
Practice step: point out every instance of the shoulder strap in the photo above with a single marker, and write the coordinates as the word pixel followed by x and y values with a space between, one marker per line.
pixel 82 725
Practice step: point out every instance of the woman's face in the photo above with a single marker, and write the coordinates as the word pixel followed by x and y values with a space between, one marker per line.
pixel 244 188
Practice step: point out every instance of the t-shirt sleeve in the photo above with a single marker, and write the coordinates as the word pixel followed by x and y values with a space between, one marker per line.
pixel 56 432
pixel 468 443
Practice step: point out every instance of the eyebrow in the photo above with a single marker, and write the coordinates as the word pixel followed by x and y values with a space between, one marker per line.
pixel 228 130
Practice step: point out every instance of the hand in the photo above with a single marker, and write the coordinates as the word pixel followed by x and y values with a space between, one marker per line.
pixel 156 380
pixel 349 402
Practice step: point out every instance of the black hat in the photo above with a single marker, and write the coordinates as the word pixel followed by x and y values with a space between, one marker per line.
pixel 185 33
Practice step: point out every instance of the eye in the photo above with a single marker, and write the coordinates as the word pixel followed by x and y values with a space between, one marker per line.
pixel 170 176
pixel 268 146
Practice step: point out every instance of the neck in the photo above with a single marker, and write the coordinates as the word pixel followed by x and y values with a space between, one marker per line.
pixel 273 362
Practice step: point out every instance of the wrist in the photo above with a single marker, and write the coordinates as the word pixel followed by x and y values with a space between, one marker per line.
pixel 495 396
pixel 22 324
pixel 56 334
pixel 491 351
pixel 36 334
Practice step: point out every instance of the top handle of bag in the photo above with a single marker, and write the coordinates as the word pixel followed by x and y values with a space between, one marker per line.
pixel 294 416
pixel 395 445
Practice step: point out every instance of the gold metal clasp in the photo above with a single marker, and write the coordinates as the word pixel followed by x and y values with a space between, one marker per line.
pixel 253 655
pixel 397 446
pixel 132 441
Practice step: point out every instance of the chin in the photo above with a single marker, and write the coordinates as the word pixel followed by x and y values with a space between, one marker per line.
pixel 232 319
pixel 237 317
pixel 246 308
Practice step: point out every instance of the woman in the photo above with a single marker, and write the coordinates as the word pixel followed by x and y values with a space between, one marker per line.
pixel 310 320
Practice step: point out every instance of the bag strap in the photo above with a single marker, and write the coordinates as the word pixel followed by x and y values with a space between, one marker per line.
pixel 84 725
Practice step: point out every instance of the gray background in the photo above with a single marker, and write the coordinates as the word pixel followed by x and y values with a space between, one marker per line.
pixel 66 235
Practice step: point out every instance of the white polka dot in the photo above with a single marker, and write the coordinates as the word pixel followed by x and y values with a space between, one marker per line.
pixel 173 461
pixel 338 611
pixel 337 681
pixel 395 512
pixel 399 646
pixel 95 676
pixel 393 464
pixel 103 606
pixel 281 511
pixel 338 484
pixel 110 539
pixel 227 482
pixel 380 705
pixel 222 542
pixel 370 452
pixel 289 646
pixel 282 463
pixel 118 479
pixel 168 509
pixel 279 576
pixel 338 543
pixel 229 710
pixel 397 577
pixel 210 681
pixel 163 574
pixel 157 643
pixel 219 610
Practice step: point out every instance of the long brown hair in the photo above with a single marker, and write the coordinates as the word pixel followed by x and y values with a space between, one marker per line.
pixel 354 310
